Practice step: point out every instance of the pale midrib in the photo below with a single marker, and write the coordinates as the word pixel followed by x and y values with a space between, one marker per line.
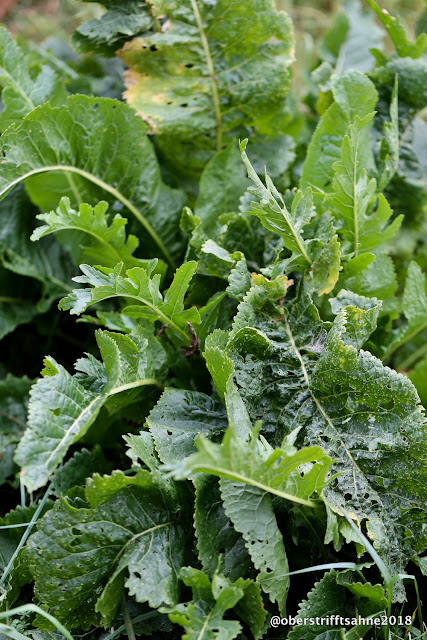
pixel 106 187
pixel 17 88
pixel 232 475
pixel 211 68
pixel 153 307
pixel 100 239
pixel 139 535
pixel 104 397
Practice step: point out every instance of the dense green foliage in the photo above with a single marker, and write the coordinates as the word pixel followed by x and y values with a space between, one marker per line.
pixel 224 275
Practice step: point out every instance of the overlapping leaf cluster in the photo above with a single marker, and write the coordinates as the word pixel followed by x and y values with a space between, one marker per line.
pixel 243 434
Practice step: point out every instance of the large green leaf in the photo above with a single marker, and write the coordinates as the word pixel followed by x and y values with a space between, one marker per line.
pixel 194 80
pixel 179 417
pixel 93 148
pixel 122 20
pixel 354 95
pixel 292 372
pixel 14 394
pixel 22 88
pixel 140 288
pixel 99 243
pixel 127 532
pixel 203 617
pixel 63 407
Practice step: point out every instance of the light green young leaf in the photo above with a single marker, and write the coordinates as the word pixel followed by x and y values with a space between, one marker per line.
pixel 21 91
pixel 354 94
pixel 103 244
pixel 122 20
pixel 63 407
pixel 396 31
pixel 254 463
pixel 203 617
pixel 94 148
pixel 195 81
pixel 127 534
pixel 141 287
pixel 353 195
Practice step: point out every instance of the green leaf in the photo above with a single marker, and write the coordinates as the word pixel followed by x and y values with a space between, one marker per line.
pixel 137 286
pixel 364 415
pixel 254 463
pixel 46 263
pixel 63 407
pixel 127 533
pixel 397 33
pixel 222 183
pixel 74 156
pixel 218 542
pixel 103 244
pixel 194 81
pixel 74 472
pixel 122 20
pixel 17 303
pixel 414 307
pixel 14 393
pixel 418 377
pixel 22 91
pixel 203 617
pixel 326 599
pixel 347 44
pixel 353 195
pixel 354 94
pixel 179 417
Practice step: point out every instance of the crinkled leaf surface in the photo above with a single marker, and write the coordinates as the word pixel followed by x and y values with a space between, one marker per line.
pixel 93 149
pixel 127 533
pixel 363 414
pixel 194 79
pixel 122 20
pixel 63 407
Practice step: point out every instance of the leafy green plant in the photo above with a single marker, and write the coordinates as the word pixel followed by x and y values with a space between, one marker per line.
pixel 228 427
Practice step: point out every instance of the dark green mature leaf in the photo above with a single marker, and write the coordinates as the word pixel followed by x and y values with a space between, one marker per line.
pixel 127 533
pixel 47 263
pixel 414 307
pixel 222 183
pixel 218 542
pixel 354 95
pixel 203 617
pixel 21 91
pixel 17 303
pixel 328 598
pixel 139 287
pixel 396 31
pixel 14 395
pixel 102 244
pixel 122 20
pixel 354 193
pixel 82 465
pixel 94 148
pixel 363 414
pixel 179 417
pixel 195 81
pixel 63 407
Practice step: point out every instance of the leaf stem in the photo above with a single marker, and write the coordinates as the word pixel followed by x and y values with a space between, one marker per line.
pixel 211 68
pixel 126 617
pixel 106 187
